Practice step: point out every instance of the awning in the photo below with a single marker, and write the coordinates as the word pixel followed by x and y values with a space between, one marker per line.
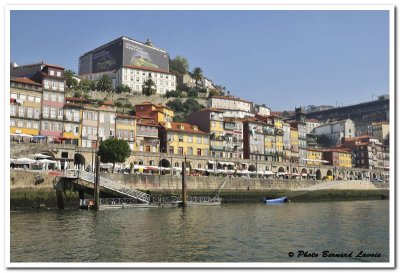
pixel 39 137
pixel 210 162
pixel 21 135
pixel 23 160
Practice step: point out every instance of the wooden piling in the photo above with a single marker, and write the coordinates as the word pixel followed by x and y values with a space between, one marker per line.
pixel 184 189
pixel 97 184
pixel 60 200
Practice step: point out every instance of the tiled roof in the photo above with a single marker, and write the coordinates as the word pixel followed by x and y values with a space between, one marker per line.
pixel 229 98
pixel 312 120
pixel 126 116
pixel 55 66
pixel 25 80
pixel 187 128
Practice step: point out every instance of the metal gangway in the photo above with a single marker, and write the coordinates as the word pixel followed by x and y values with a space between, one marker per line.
pixel 115 186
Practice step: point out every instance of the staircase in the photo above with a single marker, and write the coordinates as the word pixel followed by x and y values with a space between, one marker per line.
pixel 115 186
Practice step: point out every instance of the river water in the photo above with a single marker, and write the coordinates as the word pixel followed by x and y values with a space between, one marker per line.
pixel 230 233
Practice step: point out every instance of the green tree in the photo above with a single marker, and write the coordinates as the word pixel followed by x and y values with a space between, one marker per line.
pixel 192 105
pixel 173 93
pixel 123 88
pixel 104 84
pixel 149 88
pixel 213 92
pixel 114 151
pixel 176 105
pixel 197 75
pixel 192 94
pixel 70 81
pixel 92 85
pixel 179 65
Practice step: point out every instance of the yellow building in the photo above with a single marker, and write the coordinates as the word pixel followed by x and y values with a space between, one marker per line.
pixel 164 113
pixel 25 106
pixel 315 157
pixel 183 139
pixel 345 159
pixel 294 144
pixel 125 128
pixel 158 113
pixel 211 120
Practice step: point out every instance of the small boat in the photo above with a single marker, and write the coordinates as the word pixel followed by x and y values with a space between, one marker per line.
pixel 276 201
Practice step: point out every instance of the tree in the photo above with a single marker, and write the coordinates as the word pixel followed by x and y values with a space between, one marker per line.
pixel 104 84
pixel 197 75
pixel 148 88
pixel 173 93
pixel 176 105
pixel 114 150
pixel 70 81
pixel 123 88
pixel 192 105
pixel 179 65
pixel 213 92
pixel 192 94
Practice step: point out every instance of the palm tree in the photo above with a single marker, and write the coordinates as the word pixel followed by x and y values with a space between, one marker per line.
pixel 104 84
pixel 197 75
pixel 148 88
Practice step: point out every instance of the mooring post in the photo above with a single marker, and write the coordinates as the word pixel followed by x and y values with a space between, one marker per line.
pixel 60 200
pixel 97 184
pixel 184 190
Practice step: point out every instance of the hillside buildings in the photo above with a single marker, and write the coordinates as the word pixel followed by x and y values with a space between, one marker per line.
pixel 336 130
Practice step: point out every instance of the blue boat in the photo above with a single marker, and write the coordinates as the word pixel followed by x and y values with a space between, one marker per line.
pixel 276 201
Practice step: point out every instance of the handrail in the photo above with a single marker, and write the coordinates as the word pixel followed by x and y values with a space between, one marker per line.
pixel 115 186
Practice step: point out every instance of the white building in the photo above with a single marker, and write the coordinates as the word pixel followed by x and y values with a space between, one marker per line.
pixel 311 124
pixel 134 77
pixel 229 103
pixel 336 130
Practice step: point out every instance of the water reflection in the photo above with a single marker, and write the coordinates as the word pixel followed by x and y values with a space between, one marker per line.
pixel 230 233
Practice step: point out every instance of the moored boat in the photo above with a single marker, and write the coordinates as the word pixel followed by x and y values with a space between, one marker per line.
pixel 276 200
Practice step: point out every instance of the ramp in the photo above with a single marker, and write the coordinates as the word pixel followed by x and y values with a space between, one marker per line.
pixel 342 185
pixel 113 186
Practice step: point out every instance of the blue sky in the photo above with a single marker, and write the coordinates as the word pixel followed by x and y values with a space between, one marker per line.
pixel 281 58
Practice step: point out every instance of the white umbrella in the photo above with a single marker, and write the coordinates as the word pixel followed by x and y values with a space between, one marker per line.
pixel 46 161
pixel 24 160
pixel 41 156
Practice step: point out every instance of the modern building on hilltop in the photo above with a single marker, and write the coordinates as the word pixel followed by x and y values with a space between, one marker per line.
pixel 128 62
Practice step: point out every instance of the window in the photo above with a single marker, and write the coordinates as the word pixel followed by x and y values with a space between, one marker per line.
pixel 180 150
pixel 31 98
pixel 53 126
pixel 190 139
pixel 53 97
pixel 30 112
pixel 198 139
pixel 13 109
pixel 101 117
pixel 21 111
pixel 101 132
pixel 190 151
pixel 14 96
pixel 20 123
pixel 54 84
pixel 53 112
pixel 37 99
pixel 59 127
pixel 199 152
pixel 60 113
pixel 58 74
pixel 180 138
pixel 61 98
pixel 51 72
pixel 22 97
pixel 170 149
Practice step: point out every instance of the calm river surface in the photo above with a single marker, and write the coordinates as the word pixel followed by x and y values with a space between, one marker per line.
pixel 230 233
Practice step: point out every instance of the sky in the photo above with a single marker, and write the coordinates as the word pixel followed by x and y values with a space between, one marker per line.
pixel 284 59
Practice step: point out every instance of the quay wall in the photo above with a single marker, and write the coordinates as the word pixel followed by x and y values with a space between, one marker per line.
pixel 24 193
